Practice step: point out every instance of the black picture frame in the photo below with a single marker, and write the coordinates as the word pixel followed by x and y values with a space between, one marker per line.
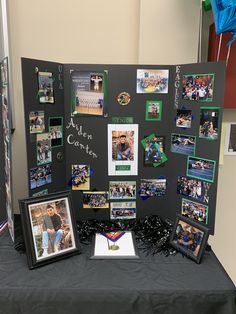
pixel 196 234
pixel 63 242
pixel 131 239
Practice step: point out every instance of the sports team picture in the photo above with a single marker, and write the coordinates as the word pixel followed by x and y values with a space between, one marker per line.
pixel 152 187
pixel 198 87
pixel 80 177
pixel 193 210
pixel 152 81
pixel 123 210
pixel 95 200
pixel 209 123
pixel 40 176
pixel 183 144
pixel 88 93
pixel 200 168
pixel 122 189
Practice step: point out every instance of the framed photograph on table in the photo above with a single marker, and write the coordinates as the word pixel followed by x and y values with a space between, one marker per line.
pixel 49 228
pixel 114 245
pixel 189 237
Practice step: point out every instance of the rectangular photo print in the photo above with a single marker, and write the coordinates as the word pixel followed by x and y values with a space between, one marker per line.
pixel 36 122
pixel 45 88
pixel 44 149
pixel 89 93
pixel 154 154
pixel 122 149
pixel 40 176
pixel 153 110
pixel 55 128
pixel 95 199
pixel 152 81
pixel 209 123
pixel 152 187
pixel 114 245
pixel 198 87
pixel 80 177
pixel 193 188
pixel 200 168
pixel 122 190
pixel 189 237
pixel 184 118
pixel 123 210
pixel 193 210
pixel 49 228
pixel 183 144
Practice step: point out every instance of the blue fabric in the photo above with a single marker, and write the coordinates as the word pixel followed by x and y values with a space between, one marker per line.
pixel 224 12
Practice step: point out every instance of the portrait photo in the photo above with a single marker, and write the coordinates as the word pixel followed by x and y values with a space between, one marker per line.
pixel 48 228
pixel 122 149
pixel 184 118
pixel 189 237
pixel 152 81
pixel 153 110
pixel 193 188
pixel 183 144
pixel 36 122
pixel 80 177
pixel 88 93
pixel 200 168
pixel 198 87
pixel 209 123
pixel 122 190
pixel 45 88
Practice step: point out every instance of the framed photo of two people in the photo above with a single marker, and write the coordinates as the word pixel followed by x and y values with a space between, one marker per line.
pixel 49 228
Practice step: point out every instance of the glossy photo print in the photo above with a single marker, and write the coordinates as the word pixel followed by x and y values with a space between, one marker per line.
pixel 80 177
pixel 123 210
pixel 45 88
pixel 152 187
pixel 122 190
pixel 189 237
pixel 55 128
pixel 89 93
pixel 184 118
pixel 193 210
pixel 154 154
pixel 200 168
pixel 40 176
pixel 43 148
pixel 98 199
pixel 209 123
pixel 122 149
pixel 153 110
pixel 36 122
pixel 152 81
pixel 198 87
pixel 183 144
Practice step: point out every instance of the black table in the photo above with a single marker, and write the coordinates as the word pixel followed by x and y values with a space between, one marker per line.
pixel 153 284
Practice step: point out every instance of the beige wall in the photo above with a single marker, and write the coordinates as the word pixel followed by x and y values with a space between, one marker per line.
pixel 108 31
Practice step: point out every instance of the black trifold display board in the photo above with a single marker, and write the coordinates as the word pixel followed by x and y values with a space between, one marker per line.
pixel 92 132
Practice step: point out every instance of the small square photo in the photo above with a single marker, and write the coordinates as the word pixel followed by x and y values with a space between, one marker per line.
pixel 153 110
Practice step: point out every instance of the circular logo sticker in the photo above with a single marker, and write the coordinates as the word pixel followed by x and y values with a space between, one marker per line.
pixel 123 98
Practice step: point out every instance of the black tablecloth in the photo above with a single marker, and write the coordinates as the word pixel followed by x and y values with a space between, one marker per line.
pixel 153 284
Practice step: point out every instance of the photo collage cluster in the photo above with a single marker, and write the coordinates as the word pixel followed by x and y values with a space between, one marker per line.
pixel 89 94
pixel 47 133
pixel 6 125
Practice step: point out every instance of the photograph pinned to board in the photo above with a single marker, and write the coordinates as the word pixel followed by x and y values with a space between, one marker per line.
pixel 40 176
pixel 55 128
pixel 193 210
pixel 43 148
pixel 209 123
pixel 154 154
pixel 153 110
pixel 36 122
pixel 183 144
pixel 89 93
pixel 122 149
pixel 80 178
pixel 195 189
pixel 95 200
pixel 114 245
pixel 198 87
pixel 152 187
pixel 230 139
pixel 184 118
pixel 49 228
pixel 201 168
pixel 189 237
pixel 152 81
pixel 122 190
pixel 122 210
pixel 45 88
